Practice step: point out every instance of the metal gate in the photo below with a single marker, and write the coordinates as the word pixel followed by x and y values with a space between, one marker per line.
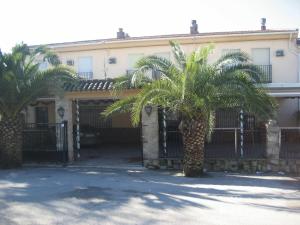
pixel 170 138
pixel 94 130
pixel 47 142
pixel 94 135
pixel 289 142
pixel 225 141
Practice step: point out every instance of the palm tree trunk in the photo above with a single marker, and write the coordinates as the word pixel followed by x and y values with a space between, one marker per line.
pixel 193 133
pixel 11 142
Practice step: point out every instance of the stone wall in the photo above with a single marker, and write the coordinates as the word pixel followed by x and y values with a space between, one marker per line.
pixel 253 165
pixel 240 165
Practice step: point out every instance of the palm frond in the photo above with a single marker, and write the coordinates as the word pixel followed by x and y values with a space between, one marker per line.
pixel 178 54
pixel 21 81
pixel 232 58
pixel 121 106
pixel 194 88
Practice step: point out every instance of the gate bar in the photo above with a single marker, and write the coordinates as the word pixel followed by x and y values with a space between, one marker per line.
pixel 164 131
pixel 242 132
pixel 235 141
pixel 77 129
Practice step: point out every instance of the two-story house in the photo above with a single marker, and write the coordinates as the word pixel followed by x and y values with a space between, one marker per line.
pixel 97 61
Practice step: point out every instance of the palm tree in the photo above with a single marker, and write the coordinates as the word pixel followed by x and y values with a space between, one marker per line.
pixel 195 89
pixel 21 82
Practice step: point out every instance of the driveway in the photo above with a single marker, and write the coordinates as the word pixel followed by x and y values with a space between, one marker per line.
pixel 86 195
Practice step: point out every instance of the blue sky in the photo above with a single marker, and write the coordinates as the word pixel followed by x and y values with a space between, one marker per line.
pixel 48 21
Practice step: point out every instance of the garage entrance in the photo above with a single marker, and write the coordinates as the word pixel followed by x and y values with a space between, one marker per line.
pixel 106 141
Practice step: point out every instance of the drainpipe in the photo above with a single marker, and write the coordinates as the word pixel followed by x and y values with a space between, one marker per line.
pixel 105 58
pixel 298 115
pixel 297 53
pixel 299 67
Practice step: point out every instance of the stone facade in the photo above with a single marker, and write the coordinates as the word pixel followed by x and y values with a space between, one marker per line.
pixel 150 130
pixel 66 104
pixel 273 144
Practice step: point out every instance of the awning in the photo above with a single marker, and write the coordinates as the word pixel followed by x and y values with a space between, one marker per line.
pixel 286 94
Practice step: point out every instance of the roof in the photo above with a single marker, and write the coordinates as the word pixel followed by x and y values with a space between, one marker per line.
pixel 168 36
pixel 89 85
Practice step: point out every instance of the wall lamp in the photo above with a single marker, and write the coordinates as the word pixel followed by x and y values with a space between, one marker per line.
pixel 61 112
pixel 148 109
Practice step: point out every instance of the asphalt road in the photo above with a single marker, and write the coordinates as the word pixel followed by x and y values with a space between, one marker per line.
pixel 82 195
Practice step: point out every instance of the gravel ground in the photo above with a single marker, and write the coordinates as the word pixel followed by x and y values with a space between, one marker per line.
pixel 86 195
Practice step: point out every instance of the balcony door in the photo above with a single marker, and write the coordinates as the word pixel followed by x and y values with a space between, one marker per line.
pixel 261 56
pixel 85 67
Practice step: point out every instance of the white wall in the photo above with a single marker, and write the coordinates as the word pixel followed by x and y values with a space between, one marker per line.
pixel 285 69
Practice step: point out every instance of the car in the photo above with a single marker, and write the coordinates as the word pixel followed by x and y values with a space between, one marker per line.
pixel 89 136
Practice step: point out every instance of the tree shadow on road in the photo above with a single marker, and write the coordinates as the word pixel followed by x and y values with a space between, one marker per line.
pixel 97 192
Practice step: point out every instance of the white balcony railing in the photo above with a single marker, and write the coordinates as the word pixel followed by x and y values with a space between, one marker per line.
pixel 266 71
pixel 85 75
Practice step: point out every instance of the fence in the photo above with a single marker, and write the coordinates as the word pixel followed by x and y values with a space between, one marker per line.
pixel 224 143
pixel 289 142
pixel 45 142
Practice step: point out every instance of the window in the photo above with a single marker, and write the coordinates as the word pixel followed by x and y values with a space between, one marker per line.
pixel 43 65
pixel 132 60
pixel 165 55
pixel 230 50
pixel 156 74
pixel 41 115
pixel 70 62
pixel 85 67
pixel 261 56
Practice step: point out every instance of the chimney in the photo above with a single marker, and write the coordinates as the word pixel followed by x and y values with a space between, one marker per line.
pixel 120 34
pixel 263 24
pixel 194 27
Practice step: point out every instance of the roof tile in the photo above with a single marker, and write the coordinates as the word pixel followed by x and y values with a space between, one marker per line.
pixel 89 85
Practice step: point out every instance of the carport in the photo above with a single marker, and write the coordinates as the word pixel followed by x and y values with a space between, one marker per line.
pixel 111 139
pixel 97 139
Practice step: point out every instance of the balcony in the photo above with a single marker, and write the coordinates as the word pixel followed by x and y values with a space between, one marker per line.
pixel 266 73
pixel 154 74
pixel 85 75
pixel 130 71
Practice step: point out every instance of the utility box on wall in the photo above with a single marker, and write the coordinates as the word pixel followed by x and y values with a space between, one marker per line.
pixel 112 60
pixel 279 53
pixel 70 62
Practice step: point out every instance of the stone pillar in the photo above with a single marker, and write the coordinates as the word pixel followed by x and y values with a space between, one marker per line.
pixel 150 132
pixel 273 145
pixel 68 114
pixel 30 114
